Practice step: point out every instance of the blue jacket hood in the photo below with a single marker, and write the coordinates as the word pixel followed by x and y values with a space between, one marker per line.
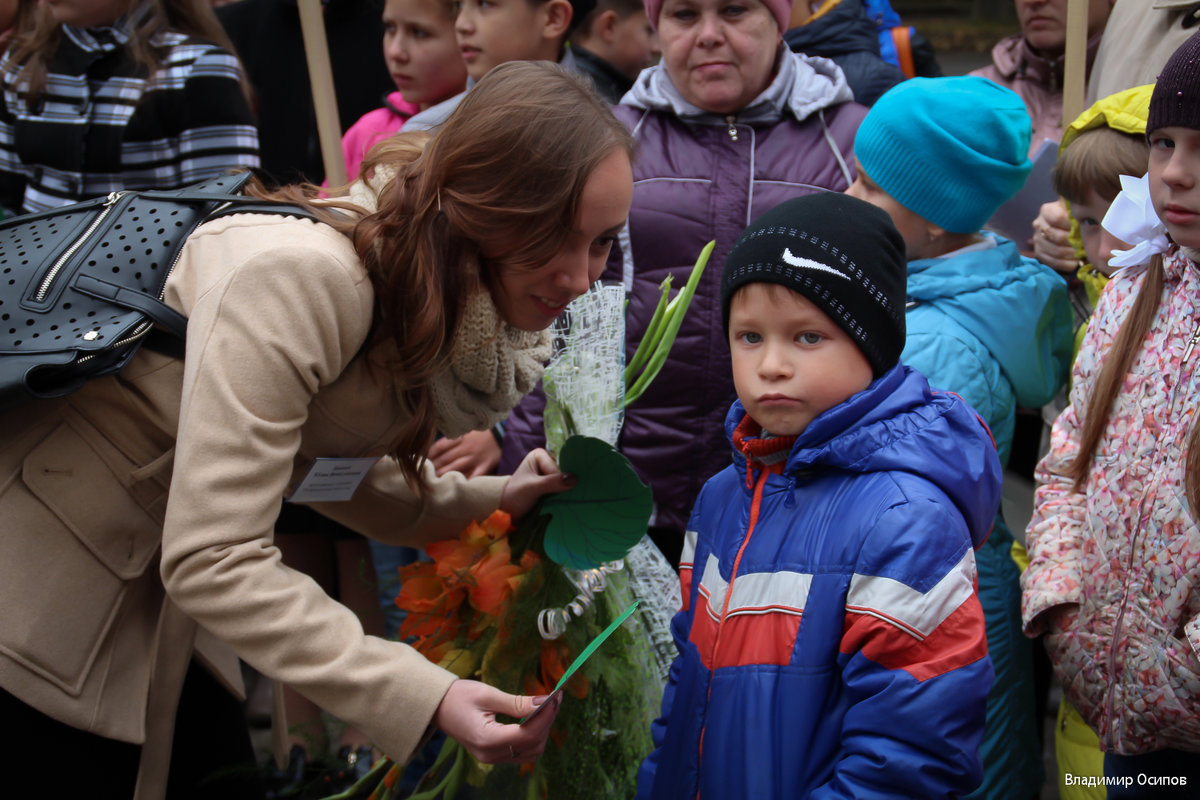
pixel 898 424
pixel 845 28
pixel 1015 306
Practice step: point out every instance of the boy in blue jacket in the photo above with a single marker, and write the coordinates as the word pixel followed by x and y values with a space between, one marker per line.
pixel 831 643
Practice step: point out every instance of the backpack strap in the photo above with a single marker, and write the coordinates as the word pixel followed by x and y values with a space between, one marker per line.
pixel 162 314
pixel 902 39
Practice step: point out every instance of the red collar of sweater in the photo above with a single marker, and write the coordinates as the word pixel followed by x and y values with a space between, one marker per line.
pixel 768 452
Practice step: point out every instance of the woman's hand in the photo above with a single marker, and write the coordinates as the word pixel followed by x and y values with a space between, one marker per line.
pixel 473 454
pixel 1051 239
pixel 537 475
pixel 467 714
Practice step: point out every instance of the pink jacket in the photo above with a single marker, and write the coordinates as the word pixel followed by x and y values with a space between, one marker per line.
pixel 1127 549
pixel 1038 80
pixel 373 127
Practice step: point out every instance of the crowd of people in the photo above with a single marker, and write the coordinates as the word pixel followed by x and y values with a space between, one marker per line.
pixel 826 444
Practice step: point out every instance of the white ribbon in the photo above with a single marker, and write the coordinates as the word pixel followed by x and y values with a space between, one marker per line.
pixel 1131 218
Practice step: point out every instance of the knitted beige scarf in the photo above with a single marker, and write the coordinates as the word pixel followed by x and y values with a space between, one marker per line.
pixel 492 364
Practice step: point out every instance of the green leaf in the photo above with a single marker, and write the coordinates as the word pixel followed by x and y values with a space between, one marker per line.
pixel 603 515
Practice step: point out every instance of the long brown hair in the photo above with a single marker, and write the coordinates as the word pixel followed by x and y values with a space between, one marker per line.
pixel 1128 342
pixel 504 173
pixel 36 41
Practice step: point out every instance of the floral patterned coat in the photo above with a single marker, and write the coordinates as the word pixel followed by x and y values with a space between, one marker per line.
pixel 1127 549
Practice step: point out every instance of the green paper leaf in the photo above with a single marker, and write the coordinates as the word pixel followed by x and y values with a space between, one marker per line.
pixel 604 514
pixel 584 656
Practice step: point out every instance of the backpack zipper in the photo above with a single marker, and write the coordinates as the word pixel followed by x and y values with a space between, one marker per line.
pixel 48 281
pixel 144 328
pixel 138 333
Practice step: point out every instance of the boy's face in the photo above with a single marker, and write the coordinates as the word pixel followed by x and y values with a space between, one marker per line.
pixel 912 226
pixel 635 44
pixel 791 362
pixel 493 32
pixel 1097 242
pixel 421 51
pixel 1175 182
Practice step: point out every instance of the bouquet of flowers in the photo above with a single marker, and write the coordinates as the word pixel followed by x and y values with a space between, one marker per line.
pixel 513 602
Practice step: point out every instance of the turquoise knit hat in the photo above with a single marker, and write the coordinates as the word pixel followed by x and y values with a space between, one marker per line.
pixel 952 150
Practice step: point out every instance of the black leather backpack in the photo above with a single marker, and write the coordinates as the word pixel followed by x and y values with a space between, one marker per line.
pixel 81 286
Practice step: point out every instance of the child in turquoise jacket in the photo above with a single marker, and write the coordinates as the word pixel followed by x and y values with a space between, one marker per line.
pixel 940 155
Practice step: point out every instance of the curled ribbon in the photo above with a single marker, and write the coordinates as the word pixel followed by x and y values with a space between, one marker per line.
pixel 1132 219
pixel 552 622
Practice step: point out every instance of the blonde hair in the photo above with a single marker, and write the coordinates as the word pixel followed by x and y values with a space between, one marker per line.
pixel 1095 160
pixel 36 42
pixel 505 171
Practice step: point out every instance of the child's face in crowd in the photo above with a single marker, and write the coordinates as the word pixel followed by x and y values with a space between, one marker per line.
pixel 1174 172
pixel 791 362
pixel 493 32
pixel 635 44
pixel 87 13
pixel 531 299
pixel 720 54
pixel 421 51
pixel 1097 242
pixel 913 227
pixel 1044 22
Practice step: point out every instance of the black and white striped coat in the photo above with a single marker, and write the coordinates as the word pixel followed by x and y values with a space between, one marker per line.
pixel 102 124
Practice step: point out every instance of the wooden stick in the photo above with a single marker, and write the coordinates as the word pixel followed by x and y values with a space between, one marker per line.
pixel 1075 61
pixel 320 75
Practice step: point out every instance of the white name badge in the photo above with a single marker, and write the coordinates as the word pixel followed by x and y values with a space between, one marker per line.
pixel 331 480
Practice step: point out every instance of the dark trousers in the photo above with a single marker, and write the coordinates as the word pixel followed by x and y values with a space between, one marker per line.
pixel 1160 775
pixel 212 755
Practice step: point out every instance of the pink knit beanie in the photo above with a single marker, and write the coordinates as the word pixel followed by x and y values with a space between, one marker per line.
pixel 781 10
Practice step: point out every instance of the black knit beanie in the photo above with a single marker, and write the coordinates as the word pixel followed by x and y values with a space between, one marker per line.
pixel 1176 98
pixel 841 253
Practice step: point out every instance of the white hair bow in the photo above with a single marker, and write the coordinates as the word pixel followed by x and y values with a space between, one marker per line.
pixel 1131 218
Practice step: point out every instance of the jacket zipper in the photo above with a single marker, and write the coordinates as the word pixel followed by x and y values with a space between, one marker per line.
pixel 1191 344
pixel 730 119
pixel 48 281
pixel 755 504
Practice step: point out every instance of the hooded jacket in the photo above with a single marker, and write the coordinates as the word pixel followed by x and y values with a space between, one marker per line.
pixel 1037 79
pixel 701 176
pixel 995 328
pixel 992 326
pixel 1126 548
pixel 830 642
pixel 372 128
pixel 847 35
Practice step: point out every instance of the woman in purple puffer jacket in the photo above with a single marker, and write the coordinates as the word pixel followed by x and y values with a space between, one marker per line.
pixel 728 125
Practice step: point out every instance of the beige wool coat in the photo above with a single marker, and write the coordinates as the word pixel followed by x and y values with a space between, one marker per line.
pixel 136 515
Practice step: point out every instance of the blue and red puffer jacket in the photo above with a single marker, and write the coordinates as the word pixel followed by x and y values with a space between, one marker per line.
pixel 831 643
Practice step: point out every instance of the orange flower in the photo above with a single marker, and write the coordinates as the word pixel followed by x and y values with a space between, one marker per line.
pixel 553 664
pixel 453 557
pixel 498 524
pixel 491 576
pixel 431 606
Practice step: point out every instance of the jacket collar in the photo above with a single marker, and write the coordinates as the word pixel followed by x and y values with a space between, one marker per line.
pixel 803 86
pixel 107 38
pixel 1015 58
